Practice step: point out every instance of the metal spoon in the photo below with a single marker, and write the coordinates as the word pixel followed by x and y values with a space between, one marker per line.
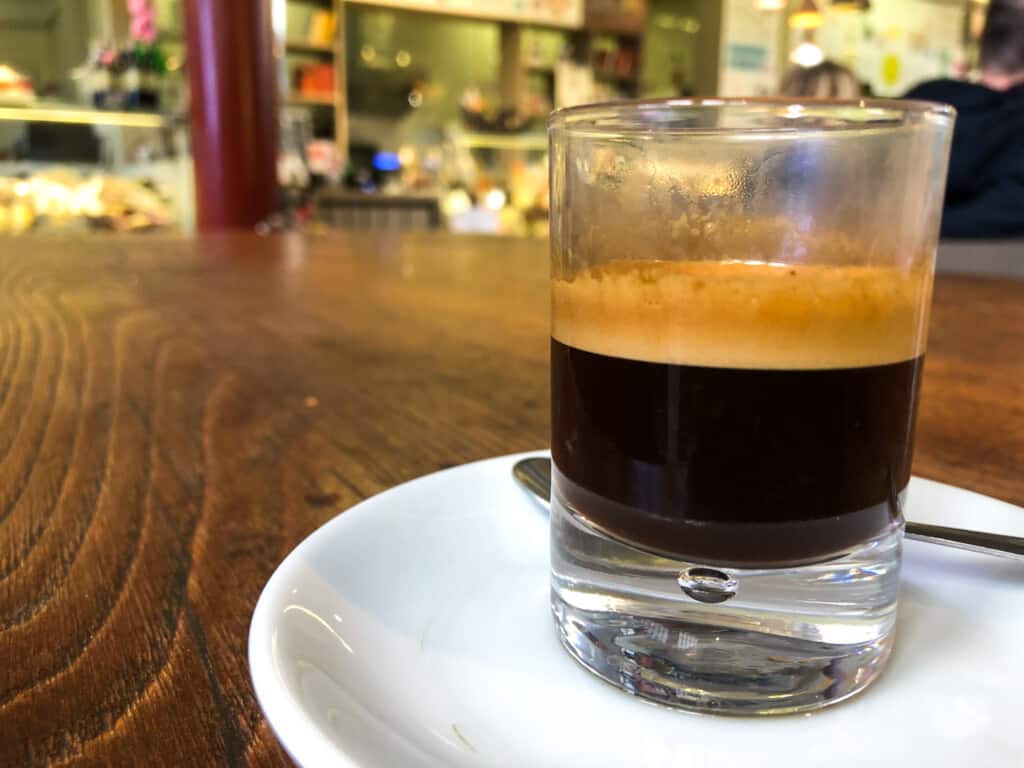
pixel 534 474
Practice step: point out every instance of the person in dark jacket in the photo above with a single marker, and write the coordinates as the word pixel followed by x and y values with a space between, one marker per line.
pixel 985 190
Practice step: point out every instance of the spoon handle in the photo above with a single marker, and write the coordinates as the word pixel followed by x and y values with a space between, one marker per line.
pixel 996 544
pixel 534 474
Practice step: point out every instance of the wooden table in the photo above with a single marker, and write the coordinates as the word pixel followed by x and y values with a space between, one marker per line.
pixel 176 415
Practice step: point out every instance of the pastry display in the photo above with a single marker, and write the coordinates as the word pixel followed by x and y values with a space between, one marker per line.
pixel 59 200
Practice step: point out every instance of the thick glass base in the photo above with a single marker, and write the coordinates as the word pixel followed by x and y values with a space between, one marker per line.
pixel 717 639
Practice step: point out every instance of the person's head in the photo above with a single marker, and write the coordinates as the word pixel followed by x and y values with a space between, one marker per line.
pixel 827 80
pixel 1002 44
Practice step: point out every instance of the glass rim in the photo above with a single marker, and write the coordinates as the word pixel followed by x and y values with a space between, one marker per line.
pixel 585 116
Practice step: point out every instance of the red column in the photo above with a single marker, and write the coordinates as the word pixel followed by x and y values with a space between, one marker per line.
pixel 233 111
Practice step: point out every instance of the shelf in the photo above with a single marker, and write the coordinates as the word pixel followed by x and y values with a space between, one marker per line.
pixel 524 141
pixel 60 113
pixel 298 46
pixel 615 77
pixel 300 100
pixel 615 25
pixel 562 15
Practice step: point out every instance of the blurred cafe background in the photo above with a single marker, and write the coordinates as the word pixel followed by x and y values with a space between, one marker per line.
pixel 402 114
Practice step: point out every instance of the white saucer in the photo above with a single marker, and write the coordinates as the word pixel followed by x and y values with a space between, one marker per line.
pixel 413 630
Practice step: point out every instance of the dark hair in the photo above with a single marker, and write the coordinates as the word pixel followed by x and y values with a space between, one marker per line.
pixel 1002 42
pixel 827 80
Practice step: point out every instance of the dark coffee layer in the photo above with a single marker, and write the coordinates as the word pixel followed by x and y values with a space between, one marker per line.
pixel 732 465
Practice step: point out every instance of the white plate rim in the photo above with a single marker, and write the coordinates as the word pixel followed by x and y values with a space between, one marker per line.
pixel 303 740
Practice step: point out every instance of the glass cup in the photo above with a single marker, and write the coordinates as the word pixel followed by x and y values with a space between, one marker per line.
pixel 740 294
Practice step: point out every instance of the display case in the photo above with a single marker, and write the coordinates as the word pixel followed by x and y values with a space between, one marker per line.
pixel 92 129
pixel 69 168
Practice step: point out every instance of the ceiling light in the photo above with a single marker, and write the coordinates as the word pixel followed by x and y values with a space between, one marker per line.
pixel 807 17
pixel 807 55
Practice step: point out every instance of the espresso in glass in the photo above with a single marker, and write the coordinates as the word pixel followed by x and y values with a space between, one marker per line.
pixel 736 413
pixel 739 311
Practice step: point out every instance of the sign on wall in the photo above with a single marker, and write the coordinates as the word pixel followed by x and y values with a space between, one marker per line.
pixel 750 50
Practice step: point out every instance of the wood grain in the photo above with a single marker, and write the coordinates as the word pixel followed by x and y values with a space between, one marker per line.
pixel 176 415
